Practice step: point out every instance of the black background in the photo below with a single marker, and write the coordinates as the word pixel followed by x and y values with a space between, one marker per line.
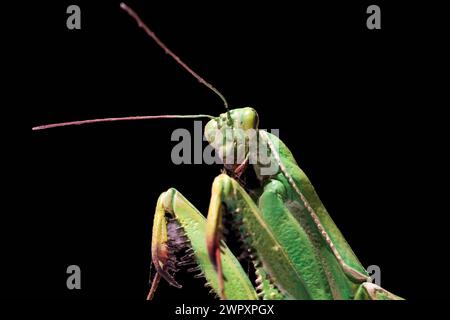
pixel 349 102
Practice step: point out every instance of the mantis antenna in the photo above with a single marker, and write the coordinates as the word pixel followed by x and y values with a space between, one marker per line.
pixel 90 121
pixel 152 35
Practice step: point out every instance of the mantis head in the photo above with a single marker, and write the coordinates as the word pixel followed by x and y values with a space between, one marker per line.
pixel 242 118
pixel 231 134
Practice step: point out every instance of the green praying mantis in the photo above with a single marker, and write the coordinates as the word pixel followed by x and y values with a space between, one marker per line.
pixel 294 247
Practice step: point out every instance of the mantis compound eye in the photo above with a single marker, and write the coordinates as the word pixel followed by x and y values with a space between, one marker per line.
pixel 248 118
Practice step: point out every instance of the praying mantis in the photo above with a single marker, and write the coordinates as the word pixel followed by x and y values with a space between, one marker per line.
pixel 285 232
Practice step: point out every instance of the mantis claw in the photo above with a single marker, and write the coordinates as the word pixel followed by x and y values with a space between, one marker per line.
pixel 179 240
pixel 154 286
pixel 161 256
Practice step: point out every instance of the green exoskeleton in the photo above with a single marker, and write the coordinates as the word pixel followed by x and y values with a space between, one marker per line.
pixel 294 245
pixel 286 233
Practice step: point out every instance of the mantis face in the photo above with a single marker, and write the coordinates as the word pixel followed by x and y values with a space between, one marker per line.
pixel 230 135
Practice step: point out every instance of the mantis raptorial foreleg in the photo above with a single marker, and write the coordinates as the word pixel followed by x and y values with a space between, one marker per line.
pixel 273 255
pixel 300 264
pixel 179 240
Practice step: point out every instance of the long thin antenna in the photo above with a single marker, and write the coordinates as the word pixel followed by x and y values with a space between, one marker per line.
pixel 90 121
pixel 152 35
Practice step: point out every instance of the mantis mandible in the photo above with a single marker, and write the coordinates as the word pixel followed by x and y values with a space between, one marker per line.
pixel 286 233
